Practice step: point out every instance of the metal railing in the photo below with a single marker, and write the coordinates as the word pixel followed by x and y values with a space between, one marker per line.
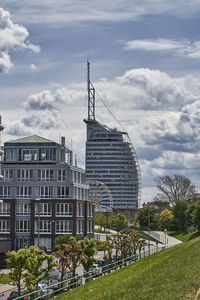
pixel 79 280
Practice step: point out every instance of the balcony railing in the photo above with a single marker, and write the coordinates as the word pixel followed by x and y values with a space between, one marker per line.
pixel 23 196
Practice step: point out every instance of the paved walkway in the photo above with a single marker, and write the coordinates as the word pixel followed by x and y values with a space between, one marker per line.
pixel 164 238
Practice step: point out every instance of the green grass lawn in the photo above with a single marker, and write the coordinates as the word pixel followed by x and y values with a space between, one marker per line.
pixel 171 274
pixel 4 279
pixel 183 236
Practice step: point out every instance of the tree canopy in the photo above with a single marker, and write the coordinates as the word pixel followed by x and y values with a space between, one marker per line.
pixel 173 188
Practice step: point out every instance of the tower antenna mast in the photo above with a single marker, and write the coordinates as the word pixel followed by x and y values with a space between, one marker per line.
pixel 91 95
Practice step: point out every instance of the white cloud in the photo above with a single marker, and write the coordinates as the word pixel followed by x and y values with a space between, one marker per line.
pixel 12 37
pixel 52 100
pixel 33 67
pixel 183 48
pixel 145 89
pixel 160 114
pixel 5 62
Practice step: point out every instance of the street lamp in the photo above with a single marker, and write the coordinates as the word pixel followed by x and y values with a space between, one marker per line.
pixel 38 224
pixel 149 228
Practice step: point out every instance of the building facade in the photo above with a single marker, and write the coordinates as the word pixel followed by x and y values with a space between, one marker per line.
pixel 42 194
pixel 111 159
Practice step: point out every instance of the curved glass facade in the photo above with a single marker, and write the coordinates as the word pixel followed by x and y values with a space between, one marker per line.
pixel 111 159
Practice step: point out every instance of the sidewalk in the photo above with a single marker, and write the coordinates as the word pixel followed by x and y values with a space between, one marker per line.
pixel 6 288
pixel 164 238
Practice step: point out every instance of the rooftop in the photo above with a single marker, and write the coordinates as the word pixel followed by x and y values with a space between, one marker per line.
pixel 31 139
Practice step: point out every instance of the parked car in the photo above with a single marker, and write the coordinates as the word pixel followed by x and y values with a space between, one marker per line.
pixel 14 294
pixel 54 273
pixel 101 263
pixel 43 290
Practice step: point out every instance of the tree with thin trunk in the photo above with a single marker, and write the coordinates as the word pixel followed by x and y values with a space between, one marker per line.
pixel 135 241
pixel 30 264
pixel 88 252
pixel 39 265
pixel 173 188
pixel 75 254
pixel 107 248
pixel 117 244
pixel 16 263
pixel 62 252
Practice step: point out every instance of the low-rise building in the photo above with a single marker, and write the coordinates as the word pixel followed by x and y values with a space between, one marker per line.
pixel 42 194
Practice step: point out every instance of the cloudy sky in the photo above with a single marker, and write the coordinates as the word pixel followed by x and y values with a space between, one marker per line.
pixel 145 65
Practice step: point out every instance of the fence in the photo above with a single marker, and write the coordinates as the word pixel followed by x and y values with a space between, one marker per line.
pixel 71 283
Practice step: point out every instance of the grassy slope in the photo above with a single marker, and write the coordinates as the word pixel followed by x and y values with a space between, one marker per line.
pixel 183 236
pixel 4 278
pixel 168 275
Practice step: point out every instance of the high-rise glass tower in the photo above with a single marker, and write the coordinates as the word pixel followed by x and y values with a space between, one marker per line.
pixel 111 158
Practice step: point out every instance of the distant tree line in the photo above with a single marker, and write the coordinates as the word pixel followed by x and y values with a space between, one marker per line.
pixel 175 207
pixel 117 222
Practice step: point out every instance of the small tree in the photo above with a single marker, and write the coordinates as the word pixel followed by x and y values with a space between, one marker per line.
pixel 166 217
pixel 100 219
pixel 125 244
pixel 62 252
pixel 75 254
pixel 119 222
pixel 147 216
pixel 197 215
pixel 117 244
pixel 136 239
pixel 39 265
pixel 62 239
pixel 180 215
pixel 16 263
pixel 107 248
pixel 31 264
pixel 88 250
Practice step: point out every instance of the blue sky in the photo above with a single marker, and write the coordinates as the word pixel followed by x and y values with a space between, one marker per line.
pixel 145 59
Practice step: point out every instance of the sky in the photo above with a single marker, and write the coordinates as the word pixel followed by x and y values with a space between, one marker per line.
pixel 145 65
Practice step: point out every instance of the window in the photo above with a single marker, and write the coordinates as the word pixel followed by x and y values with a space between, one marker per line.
pixel 79 210
pixel 24 192
pixel 7 174
pixel 4 226
pixel 64 209
pixel 46 191
pixel 79 226
pixel 89 226
pixel 45 226
pixel 21 242
pixel 29 154
pixel 22 226
pixel 45 209
pixel 24 174
pixel 48 154
pixel 23 209
pixel 63 226
pixel 62 192
pixel 61 175
pixel 46 242
pixel 5 191
pixel 89 210
pixel 45 175
pixel 11 154
pixel 4 209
